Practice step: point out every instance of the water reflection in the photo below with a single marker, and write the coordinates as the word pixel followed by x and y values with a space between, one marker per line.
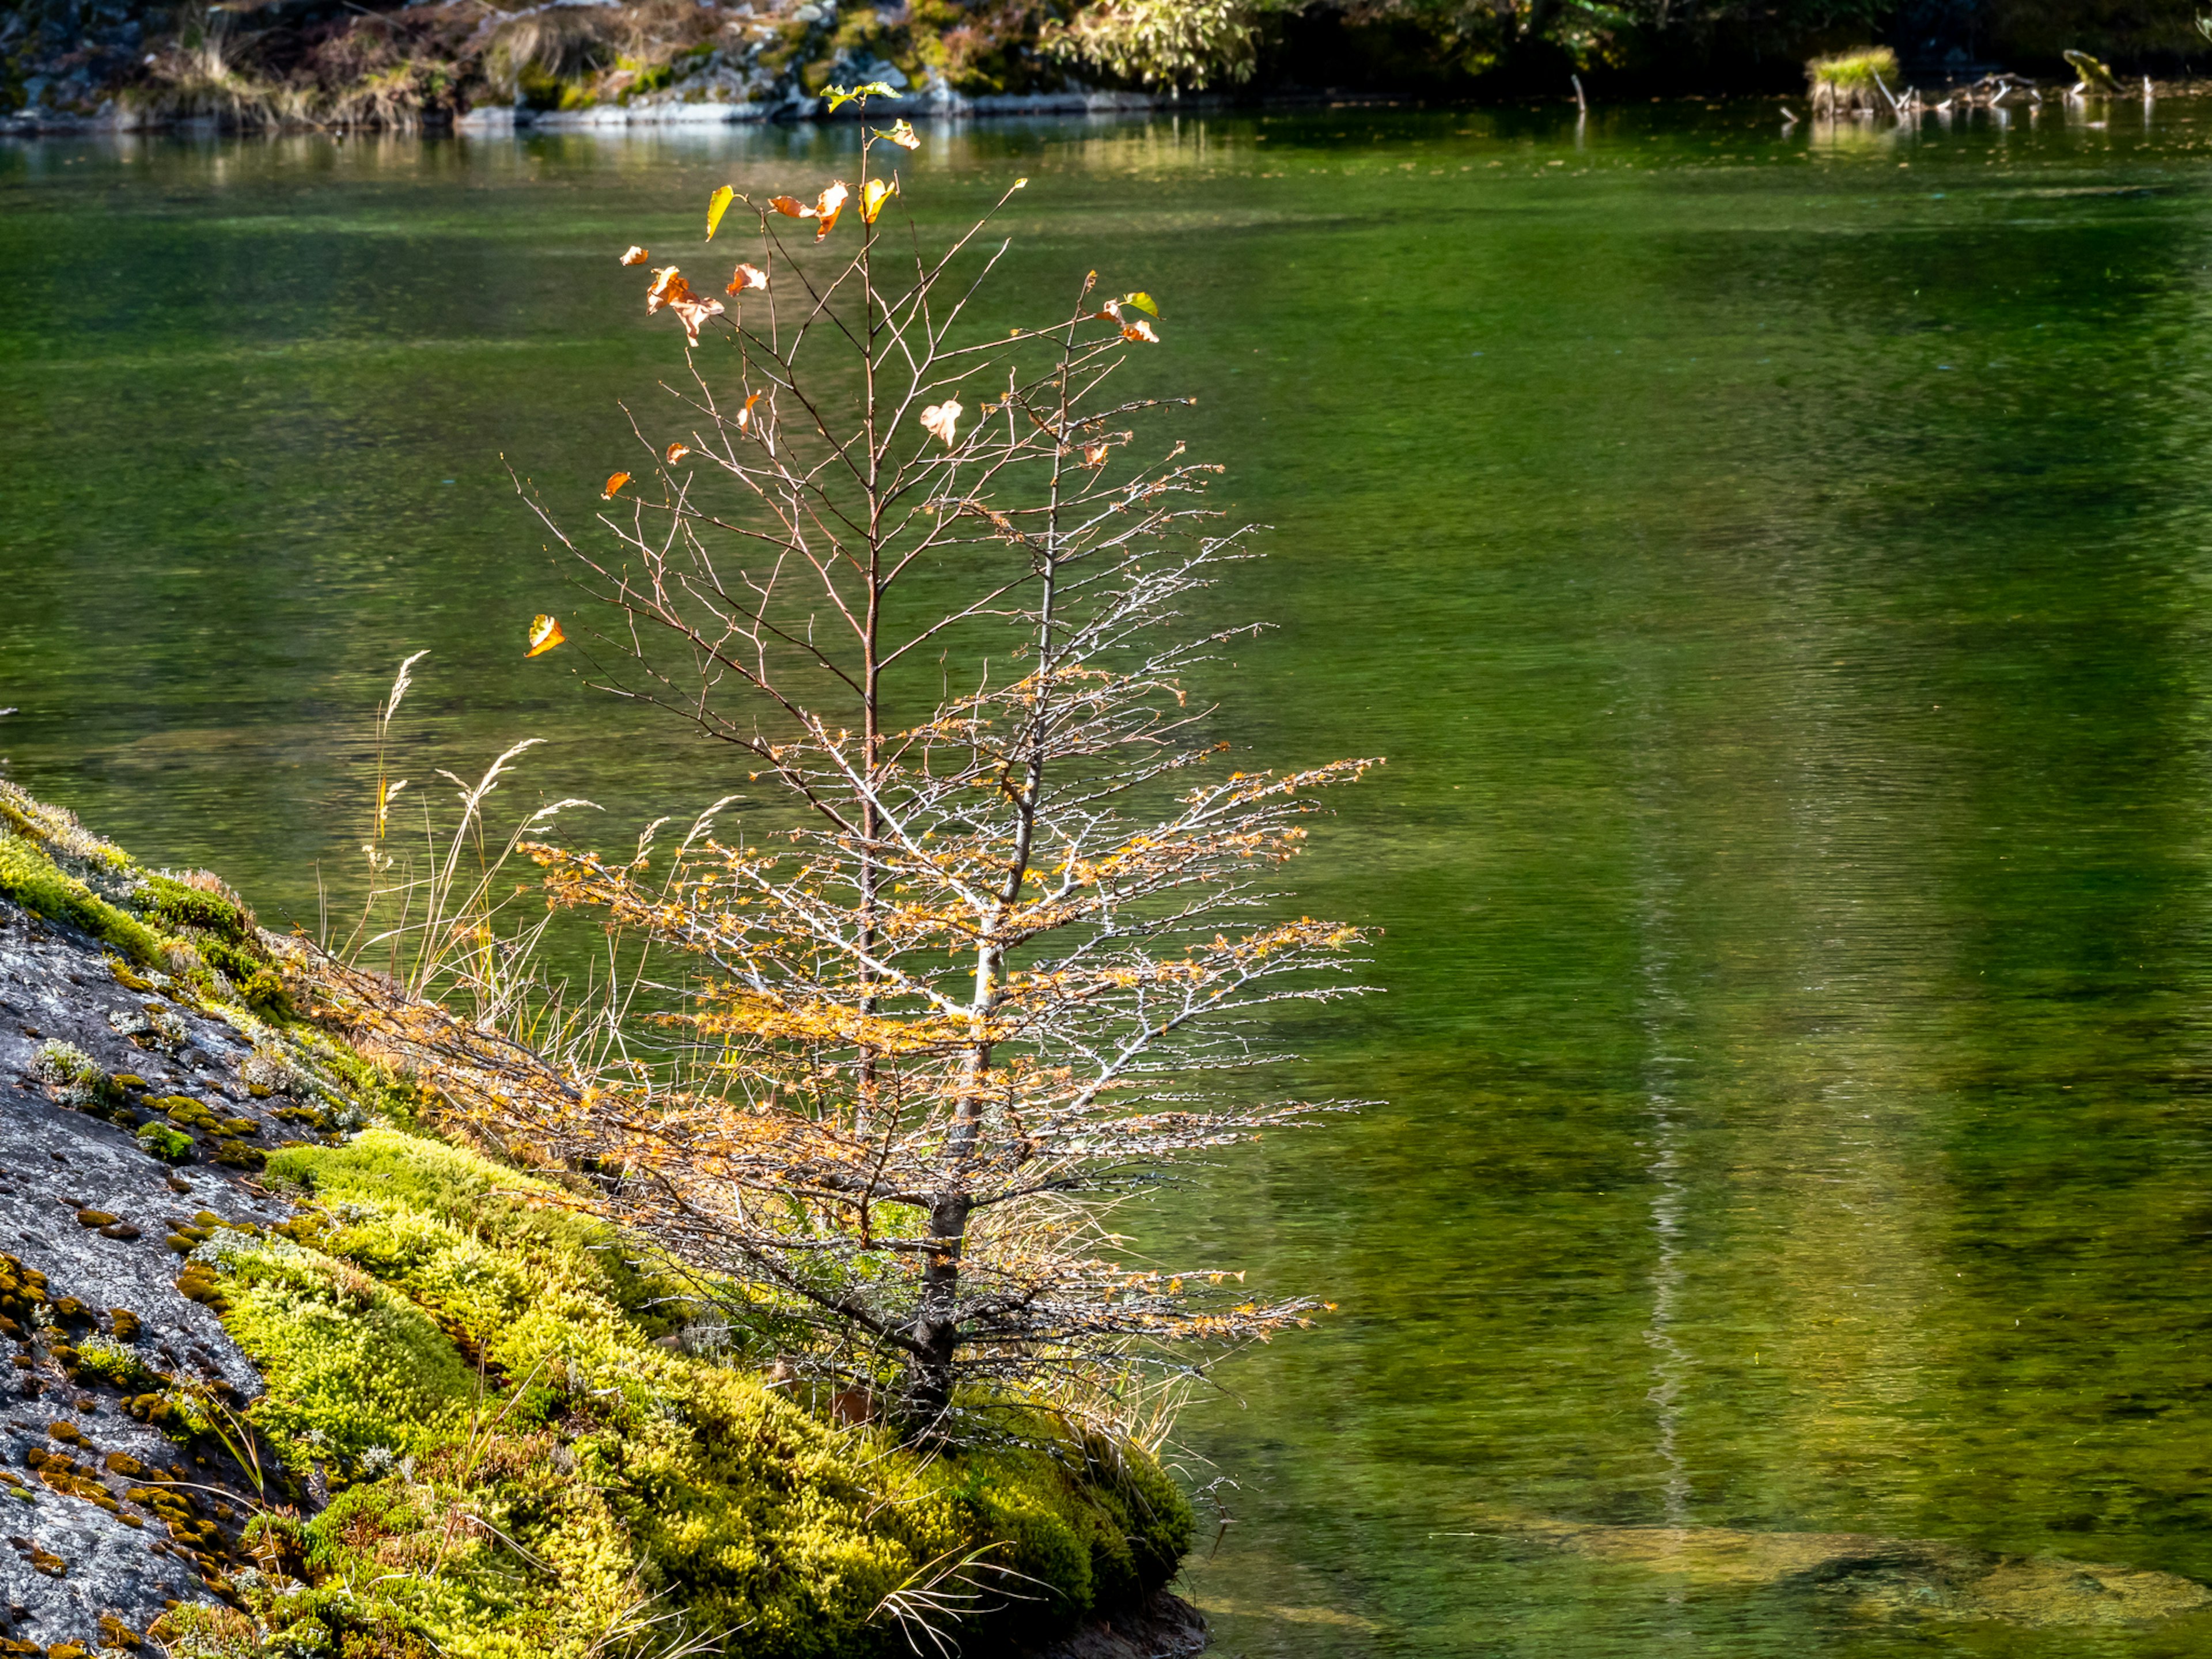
pixel 1776 575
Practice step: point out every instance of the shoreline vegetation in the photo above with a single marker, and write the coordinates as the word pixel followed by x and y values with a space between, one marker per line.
pixel 474 1423
pixel 125 64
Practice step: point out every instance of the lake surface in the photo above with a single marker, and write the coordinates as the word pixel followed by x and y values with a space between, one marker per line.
pixel 1777 566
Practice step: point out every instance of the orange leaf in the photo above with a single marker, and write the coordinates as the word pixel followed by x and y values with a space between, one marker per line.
pixel 615 481
pixel 745 415
pixel 789 206
pixel 1139 330
pixel 677 450
pixel 670 290
pixel 636 256
pixel 668 284
pixel 717 205
pixel 544 634
pixel 828 206
pixel 1094 455
pixel 939 420
pixel 873 198
pixel 745 276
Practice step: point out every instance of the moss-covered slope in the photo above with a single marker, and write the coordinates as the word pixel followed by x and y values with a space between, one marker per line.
pixel 471 1425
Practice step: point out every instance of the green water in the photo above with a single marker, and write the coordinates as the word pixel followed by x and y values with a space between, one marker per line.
pixel 1777 568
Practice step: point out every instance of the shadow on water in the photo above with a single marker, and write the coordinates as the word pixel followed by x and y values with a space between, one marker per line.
pixel 1776 565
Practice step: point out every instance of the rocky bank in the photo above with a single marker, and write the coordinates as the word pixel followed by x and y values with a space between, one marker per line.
pixel 292 1374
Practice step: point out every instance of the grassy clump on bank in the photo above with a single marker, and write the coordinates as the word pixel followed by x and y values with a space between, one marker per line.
pixel 522 1464
pixel 1854 71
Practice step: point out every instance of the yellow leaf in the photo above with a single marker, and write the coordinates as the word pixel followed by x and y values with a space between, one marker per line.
pixel 1144 302
pixel 838 96
pixel 941 420
pixel 635 255
pixel 717 205
pixel 545 632
pixel 874 197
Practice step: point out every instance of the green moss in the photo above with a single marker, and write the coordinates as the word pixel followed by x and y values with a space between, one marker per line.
pixel 429 1305
pixel 348 1363
pixel 35 882
pixel 116 1364
pixel 177 906
pixel 165 1143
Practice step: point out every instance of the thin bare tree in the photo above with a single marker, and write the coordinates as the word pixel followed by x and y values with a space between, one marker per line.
pixel 974 968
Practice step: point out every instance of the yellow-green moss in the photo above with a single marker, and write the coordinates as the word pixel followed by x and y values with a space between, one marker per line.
pixel 36 883
pixel 520 1462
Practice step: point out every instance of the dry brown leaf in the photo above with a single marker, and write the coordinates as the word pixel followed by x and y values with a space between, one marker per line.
pixel 941 420
pixel 745 276
pixel 791 206
pixel 677 450
pixel 635 255
pixel 544 634
pixel 900 134
pixel 828 206
pixel 1139 330
pixel 670 290
pixel 1094 455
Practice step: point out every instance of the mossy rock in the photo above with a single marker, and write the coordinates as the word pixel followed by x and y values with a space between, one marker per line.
pixel 36 883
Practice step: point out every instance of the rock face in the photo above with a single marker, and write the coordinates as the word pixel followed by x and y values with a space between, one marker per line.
pixel 1166 1627
pixel 108 1521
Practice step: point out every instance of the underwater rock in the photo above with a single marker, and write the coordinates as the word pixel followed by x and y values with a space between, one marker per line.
pixel 1888 1577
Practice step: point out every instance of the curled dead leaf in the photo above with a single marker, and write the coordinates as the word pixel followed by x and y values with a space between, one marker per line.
pixel 745 415
pixel 1139 330
pixel 790 206
pixel 900 134
pixel 745 276
pixel 669 288
pixel 677 450
pixel 828 206
pixel 717 205
pixel 1094 455
pixel 544 634
pixel 636 255
pixel 873 198
pixel 615 481
pixel 943 420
